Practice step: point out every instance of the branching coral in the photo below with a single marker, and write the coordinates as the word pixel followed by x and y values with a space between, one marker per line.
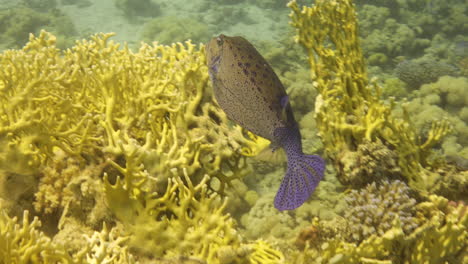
pixel 372 161
pixel 189 220
pixel 374 209
pixel 349 110
pixel 186 218
pixel 23 243
pixel 142 119
pixel 441 239
pixel 86 100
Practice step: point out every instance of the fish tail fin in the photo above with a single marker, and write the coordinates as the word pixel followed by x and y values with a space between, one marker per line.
pixel 303 174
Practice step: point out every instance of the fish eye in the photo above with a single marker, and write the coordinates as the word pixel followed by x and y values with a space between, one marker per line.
pixel 219 40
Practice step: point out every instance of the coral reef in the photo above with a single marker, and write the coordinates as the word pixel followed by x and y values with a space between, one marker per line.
pixel 132 9
pixel 349 110
pixel 123 155
pixel 25 243
pixel 17 23
pixel 392 30
pixel 449 93
pixel 171 29
pixel 418 72
pixel 318 232
pixel 132 140
pixel 440 238
pixel 158 119
pixel 300 90
pixel 40 5
pixel 373 209
pixel 445 98
pixel 372 161
pixel 394 88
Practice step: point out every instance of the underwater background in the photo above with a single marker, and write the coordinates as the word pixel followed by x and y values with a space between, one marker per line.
pixel 114 150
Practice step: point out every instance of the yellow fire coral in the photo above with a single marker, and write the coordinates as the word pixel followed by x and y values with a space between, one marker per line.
pixel 87 98
pixel 349 110
pixel 143 129
pixel 23 243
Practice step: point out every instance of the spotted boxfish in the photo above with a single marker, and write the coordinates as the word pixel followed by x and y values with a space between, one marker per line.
pixel 251 94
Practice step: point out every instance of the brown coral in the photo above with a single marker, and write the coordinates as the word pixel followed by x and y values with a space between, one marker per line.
pixel 374 209
pixel 372 161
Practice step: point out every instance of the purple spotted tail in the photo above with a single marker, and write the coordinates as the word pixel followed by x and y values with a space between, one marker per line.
pixel 303 174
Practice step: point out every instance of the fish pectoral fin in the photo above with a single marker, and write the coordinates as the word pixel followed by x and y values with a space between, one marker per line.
pixel 284 102
pixel 272 154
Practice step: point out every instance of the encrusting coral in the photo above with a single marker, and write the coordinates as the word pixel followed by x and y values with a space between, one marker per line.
pixel 349 110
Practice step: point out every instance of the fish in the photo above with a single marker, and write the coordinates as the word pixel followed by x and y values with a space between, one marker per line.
pixel 251 94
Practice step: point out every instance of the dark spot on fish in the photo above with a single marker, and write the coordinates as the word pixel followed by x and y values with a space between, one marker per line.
pixel 252 79
pixel 238 49
pixel 242 57
pixel 230 47
pixel 258 88
pixel 264 75
pixel 246 72
pixel 254 73
pixel 247 65
pixel 239 64
pixel 232 65
pixel 250 56
pixel 235 55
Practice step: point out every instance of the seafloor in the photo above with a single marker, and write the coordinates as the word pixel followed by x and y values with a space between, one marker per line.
pixel 114 150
